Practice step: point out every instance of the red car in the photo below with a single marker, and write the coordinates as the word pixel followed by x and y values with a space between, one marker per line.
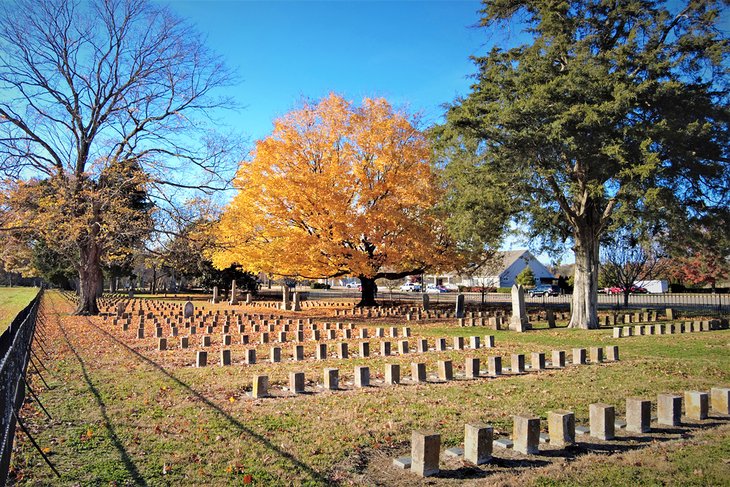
pixel 620 290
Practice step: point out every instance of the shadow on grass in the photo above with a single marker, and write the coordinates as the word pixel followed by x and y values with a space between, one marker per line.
pixel 126 459
pixel 316 476
pixel 468 472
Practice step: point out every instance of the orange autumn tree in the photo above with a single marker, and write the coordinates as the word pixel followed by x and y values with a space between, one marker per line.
pixel 335 190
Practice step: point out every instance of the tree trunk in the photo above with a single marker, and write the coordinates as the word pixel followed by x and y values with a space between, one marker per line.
pixel 90 278
pixel 585 290
pixel 627 292
pixel 368 292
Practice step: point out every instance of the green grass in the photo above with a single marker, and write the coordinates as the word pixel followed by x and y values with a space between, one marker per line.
pixel 12 301
pixel 120 419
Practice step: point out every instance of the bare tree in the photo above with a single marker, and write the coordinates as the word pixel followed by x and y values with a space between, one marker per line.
pixel 628 258
pixel 88 85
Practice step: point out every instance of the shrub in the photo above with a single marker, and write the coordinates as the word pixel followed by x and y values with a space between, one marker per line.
pixel 320 285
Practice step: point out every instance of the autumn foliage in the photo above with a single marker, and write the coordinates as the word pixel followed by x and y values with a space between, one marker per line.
pixel 109 213
pixel 336 189
pixel 702 268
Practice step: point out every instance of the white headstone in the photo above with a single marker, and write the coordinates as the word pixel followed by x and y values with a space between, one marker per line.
pixel 234 295
pixel 215 294
pixel 519 312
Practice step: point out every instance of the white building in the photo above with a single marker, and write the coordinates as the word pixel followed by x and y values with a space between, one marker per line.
pixel 499 272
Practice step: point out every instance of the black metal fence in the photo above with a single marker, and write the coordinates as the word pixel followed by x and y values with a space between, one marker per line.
pixel 15 344
pixel 709 303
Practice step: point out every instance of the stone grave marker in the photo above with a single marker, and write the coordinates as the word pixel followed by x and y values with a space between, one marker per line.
pixel 234 293
pixel 519 321
pixel 425 453
pixel 459 312
pixel 189 310
pixel 561 427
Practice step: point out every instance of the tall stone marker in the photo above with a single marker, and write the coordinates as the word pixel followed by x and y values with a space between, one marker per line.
pixel 519 312
pixel 426 301
pixel 286 297
pixel 460 306
pixel 296 304
pixel 189 310
pixel 215 295
pixel 551 318
pixel 234 294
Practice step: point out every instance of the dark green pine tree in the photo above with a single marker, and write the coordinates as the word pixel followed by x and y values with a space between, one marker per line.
pixel 616 112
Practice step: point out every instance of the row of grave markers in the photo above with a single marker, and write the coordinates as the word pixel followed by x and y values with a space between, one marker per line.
pixel 538 361
pixel 668 328
pixel 526 436
pixel 445 369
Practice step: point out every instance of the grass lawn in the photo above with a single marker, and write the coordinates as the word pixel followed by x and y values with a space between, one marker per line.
pixel 12 300
pixel 125 413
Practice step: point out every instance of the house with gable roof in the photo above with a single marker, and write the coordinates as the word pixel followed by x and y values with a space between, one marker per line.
pixel 500 271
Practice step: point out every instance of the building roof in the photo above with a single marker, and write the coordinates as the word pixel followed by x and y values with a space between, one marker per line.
pixel 509 257
pixel 497 265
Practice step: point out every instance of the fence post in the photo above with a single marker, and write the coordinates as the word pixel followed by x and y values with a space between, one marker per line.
pixel 15 353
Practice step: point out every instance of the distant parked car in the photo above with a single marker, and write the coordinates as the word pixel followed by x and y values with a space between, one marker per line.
pixel 450 287
pixel 435 289
pixel 351 285
pixel 413 287
pixel 620 290
pixel 544 290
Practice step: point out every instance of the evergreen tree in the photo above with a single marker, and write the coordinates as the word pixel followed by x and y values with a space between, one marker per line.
pixel 526 277
pixel 615 113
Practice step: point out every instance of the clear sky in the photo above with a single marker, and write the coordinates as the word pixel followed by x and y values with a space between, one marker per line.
pixel 413 53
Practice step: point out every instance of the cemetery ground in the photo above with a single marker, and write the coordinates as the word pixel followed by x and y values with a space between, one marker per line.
pixel 12 301
pixel 125 413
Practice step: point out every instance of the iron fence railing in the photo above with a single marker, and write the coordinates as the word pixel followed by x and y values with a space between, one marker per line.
pixel 15 344
pixel 712 303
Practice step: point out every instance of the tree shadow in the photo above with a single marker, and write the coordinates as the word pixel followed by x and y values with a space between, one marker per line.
pixel 468 471
pixel 316 476
pixel 129 465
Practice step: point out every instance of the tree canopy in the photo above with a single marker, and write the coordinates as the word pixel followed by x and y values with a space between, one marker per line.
pixel 615 112
pixel 336 189
pixel 91 86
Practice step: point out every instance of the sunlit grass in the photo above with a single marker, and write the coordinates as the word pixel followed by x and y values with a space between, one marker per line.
pixel 124 418
pixel 12 301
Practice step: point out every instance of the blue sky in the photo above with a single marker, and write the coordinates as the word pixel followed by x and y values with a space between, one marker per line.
pixel 414 53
